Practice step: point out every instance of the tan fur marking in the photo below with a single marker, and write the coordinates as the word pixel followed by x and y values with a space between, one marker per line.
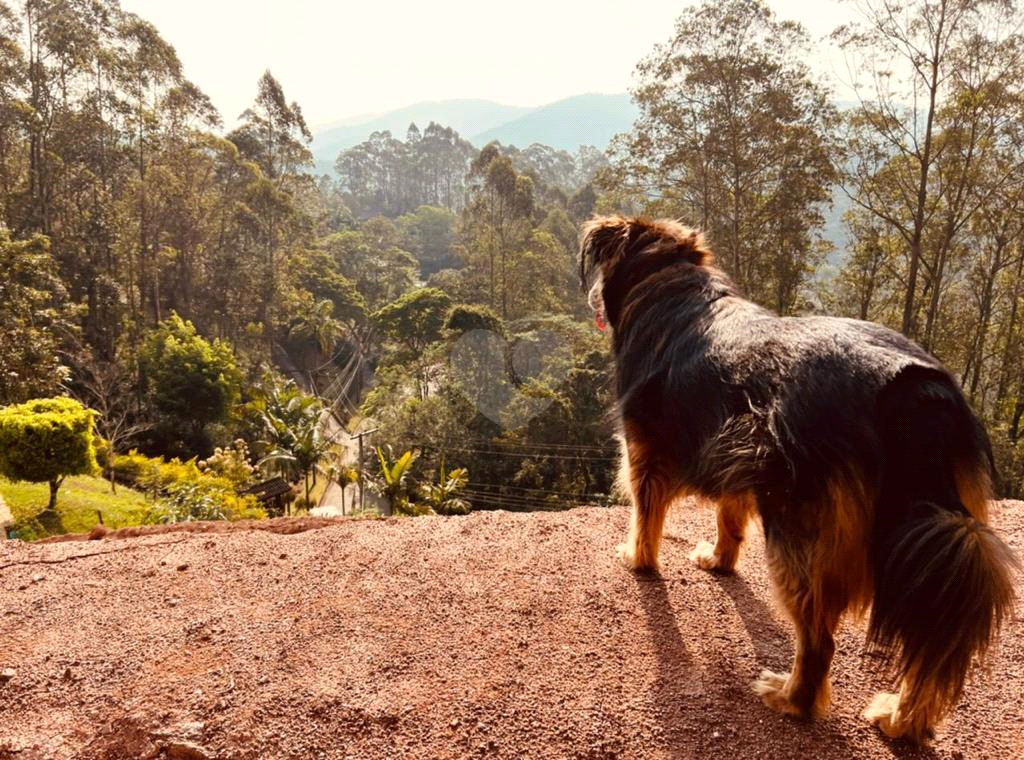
pixel 975 489
pixel 651 491
pixel 734 511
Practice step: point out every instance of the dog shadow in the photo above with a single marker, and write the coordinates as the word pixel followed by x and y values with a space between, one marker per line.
pixel 772 642
pixel 687 697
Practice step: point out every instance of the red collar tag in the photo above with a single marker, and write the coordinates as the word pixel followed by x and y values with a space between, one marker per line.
pixel 599 321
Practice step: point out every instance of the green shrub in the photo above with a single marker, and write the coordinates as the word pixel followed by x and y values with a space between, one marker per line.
pixel 132 468
pixel 184 492
pixel 104 452
pixel 205 498
pixel 165 475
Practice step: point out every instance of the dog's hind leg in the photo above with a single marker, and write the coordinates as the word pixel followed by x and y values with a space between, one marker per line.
pixel 651 492
pixel 734 512
pixel 805 691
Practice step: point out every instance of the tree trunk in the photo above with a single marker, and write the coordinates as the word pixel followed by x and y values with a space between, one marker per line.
pixel 1008 356
pixel 54 485
pixel 922 187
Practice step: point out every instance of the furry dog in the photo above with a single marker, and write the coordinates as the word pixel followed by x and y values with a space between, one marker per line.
pixel 856 448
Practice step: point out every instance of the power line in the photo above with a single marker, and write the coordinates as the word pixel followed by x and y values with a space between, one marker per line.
pixel 523 455
pixel 522 499
pixel 521 503
pixel 521 488
pixel 536 446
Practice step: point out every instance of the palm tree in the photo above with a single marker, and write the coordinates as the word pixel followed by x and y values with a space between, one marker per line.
pixel 293 433
pixel 344 475
pixel 319 324
pixel 393 482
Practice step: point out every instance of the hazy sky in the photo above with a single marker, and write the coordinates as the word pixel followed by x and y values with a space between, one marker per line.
pixel 346 58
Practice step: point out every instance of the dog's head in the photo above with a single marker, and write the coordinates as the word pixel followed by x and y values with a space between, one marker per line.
pixel 611 246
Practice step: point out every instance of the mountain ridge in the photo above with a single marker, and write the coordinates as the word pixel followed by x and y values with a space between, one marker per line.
pixel 566 124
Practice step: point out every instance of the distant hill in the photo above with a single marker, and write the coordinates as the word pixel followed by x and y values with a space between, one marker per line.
pixel 467 117
pixel 566 124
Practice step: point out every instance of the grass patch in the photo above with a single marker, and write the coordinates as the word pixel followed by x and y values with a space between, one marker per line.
pixel 78 501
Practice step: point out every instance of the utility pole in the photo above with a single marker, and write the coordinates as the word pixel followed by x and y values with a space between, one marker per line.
pixel 360 436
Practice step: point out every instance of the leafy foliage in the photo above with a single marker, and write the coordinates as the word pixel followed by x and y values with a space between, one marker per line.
pixel 736 137
pixel 230 463
pixel 189 381
pixel 443 496
pixel 46 440
pixel 394 482
pixel 183 491
pixel 32 312
pixel 290 424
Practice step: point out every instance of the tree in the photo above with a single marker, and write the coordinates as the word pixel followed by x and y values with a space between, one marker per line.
pixel 918 58
pixel 292 433
pixel 385 176
pixel 735 136
pixel 189 382
pixel 46 440
pixel 110 389
pixel 496 223
pixel 345 476
pixel 274 133
pixel 274 136
pixel 33 314
pixel 415 321
pixel 413 324
pixel 372 259
pixel 319 325
pixel 431 230
pixel 393 481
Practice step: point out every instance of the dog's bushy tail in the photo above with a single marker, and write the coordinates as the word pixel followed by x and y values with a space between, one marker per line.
pixel 940 598
pixel 943 580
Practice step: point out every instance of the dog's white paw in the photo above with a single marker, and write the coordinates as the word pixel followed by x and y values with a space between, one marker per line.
pixel 882 712
pixel 627 555
pixel 704 557
pixel 770 687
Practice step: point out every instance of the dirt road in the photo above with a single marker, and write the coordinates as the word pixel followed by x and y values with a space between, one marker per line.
pixel 494 635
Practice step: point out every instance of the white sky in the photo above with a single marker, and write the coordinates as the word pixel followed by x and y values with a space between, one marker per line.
pixel 347 58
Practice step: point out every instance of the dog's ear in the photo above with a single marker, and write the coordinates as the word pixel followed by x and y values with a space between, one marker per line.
pixel 603 239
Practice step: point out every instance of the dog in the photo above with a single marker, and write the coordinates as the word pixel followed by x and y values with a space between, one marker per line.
pixel 857 450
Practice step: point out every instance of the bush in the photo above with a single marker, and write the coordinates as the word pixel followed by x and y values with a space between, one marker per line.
pixel 230 463
pixel 189 382
pixel 104 452
pixel 183 491
pixel 205 498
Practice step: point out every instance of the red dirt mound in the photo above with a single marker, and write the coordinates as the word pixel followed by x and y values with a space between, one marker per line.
pixel 494 635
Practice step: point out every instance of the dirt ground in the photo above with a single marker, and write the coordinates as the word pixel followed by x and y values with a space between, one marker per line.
pixel 493 635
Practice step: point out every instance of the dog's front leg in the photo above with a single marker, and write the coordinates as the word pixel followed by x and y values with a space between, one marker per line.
pixel 651 494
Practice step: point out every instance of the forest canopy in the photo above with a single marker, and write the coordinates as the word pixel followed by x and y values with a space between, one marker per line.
pixel 196 285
